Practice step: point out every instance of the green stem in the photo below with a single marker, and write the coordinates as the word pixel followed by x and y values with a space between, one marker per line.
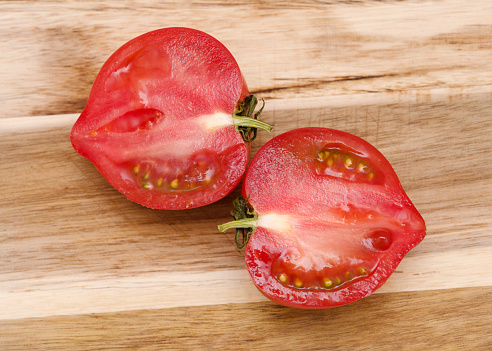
pixel 245 118
pixel 245 222
pixel 240 223
pixel 240 121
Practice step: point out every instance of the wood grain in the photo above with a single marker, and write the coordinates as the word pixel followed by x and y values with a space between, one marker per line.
pixel 81 267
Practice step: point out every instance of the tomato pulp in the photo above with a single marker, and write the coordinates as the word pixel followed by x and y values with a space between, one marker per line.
pixel 324 219
pixel 167 122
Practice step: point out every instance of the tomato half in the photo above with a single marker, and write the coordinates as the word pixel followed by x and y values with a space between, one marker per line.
pixel 167 121
pixel 326 217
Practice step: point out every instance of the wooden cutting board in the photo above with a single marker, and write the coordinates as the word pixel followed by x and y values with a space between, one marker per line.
pixel 82 268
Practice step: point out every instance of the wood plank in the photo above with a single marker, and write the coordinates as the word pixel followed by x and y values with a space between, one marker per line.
pixel 73 245
pixel 402 321
pixel 79 293
pixel 285 50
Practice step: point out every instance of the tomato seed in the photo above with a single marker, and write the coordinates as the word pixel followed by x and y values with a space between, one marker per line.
pixel 362 167
pixel 349 162
pixel 282 278
pixel 327 283
pixel 146 176
pixel 323 154
pixel 174 184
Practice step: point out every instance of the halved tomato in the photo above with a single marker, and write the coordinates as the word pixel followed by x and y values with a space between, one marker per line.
pixel 325 219
pixel 168 120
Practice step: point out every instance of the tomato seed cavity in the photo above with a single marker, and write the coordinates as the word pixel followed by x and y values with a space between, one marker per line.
pixel 132 121
pixel 335 162
pixel 172 176
pixel 326 279
pixel 303 280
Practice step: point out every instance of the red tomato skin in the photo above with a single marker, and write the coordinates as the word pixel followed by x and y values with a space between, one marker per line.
pixel 270 187
pixel 182 74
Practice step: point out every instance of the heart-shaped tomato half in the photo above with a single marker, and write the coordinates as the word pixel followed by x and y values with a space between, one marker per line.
pixel 164 122
pixel 326 218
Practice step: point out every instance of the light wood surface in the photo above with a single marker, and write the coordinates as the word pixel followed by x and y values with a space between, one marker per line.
pixel 82 268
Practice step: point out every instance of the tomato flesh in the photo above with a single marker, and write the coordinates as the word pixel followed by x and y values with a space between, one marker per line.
pixel 333 220
pixel 158 122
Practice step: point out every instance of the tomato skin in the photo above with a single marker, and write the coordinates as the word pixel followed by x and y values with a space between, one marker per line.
pixel 344 226
pixel 142 125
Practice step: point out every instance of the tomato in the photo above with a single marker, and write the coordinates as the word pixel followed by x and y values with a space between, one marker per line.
pixel 168 120
pixel 324 218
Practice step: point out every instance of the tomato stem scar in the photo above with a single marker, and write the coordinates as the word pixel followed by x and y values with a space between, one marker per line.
pixel 245 122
